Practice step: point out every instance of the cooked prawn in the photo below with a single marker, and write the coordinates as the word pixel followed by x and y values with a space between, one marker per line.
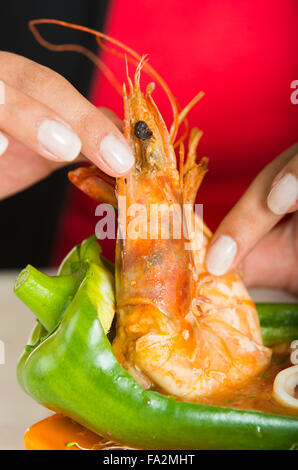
pixel 179 328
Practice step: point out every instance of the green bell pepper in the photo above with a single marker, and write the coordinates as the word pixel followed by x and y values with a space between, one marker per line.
pixel 69 366
pixel 279 322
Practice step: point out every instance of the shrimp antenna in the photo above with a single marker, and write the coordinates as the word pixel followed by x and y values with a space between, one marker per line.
pixel 127 78
pixel 132 56
pixel 139 68
pixel 74 48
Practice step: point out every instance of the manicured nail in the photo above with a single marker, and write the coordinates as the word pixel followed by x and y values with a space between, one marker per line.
pixel 283 195
pixel 2 92
pixel 116 154
pixel 221 255
pixel 61 141
pixel 3 143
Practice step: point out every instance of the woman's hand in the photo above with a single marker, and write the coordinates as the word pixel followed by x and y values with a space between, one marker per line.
pixel 45 123
pixel 249 236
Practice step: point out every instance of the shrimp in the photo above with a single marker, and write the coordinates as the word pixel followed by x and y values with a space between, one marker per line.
pixel 179 328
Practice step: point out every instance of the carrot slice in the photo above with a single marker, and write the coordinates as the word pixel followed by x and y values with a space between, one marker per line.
pixel 60 433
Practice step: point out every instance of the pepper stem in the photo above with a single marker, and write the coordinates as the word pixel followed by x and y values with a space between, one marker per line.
pixel 47 296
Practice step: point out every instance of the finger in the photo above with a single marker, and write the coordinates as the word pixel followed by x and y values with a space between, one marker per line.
pixel 37 126
pixel 283 196
pixel 113 117
pixel 273 261
pixel 248 221
pixel 3 143
pixel 102 142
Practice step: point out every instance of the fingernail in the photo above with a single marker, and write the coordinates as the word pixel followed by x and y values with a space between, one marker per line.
pixel 2 92
pixel 3 143
pixel 221 255
pixel 283 195
pixel 59 140
pixel 116 154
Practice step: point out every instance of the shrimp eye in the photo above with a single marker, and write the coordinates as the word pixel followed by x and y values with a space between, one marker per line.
pixel 142 131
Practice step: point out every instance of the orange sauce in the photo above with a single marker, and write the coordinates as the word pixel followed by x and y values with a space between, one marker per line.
pixel 257 394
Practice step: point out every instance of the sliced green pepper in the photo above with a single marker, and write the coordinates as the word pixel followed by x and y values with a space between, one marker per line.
pixel 279 322
pixel 73 370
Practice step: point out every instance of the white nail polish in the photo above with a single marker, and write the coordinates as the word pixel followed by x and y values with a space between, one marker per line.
pixel 116 154
pixel 3 143
pixel 59 140
pixel 283 195
pixel 2 92
pixel 221 255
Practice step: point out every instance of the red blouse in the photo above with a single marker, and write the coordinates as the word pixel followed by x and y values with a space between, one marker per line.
pixel 242 54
